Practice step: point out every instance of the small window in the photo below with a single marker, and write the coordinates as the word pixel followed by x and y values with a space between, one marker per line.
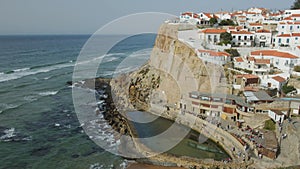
pixel 282 27
pixel 287 40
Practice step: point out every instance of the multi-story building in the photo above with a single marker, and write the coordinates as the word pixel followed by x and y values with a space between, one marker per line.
pixel 242 38
pixel 211 35
pixel 284 61
pixel 263 38
pixel 219 58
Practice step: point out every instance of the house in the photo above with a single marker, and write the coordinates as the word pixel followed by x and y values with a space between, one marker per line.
pixel 242 38
pixel 263 38
pixel 253 17
pixel 239 62
pixel 288 13
pixel 290 39
pixel 246 80
pixel 295 107
pixel 276 115
pixel 219 58
pixel 223 15
pixel 252 27
pixel 205 17
pixel 189 17
pixel 273 82
pixel 257 97
pixel 282 60
pixel 211 35
pixel 288 27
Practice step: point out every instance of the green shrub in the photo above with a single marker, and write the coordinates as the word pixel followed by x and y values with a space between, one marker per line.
pixel 287 89
pixel 269 125
pixel 297 68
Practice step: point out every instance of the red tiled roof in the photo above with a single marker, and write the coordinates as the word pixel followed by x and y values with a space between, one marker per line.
pixel 214 53
pixel 239 59
pixel 251 58
pixel 295 15
pixel 262 61
pixel 255 24
pixel 247 76
pixel 214 31
pixel 279 79
pixel 208 15
pixel 263 31
pixel 274 53
pixel 289 35
pixel 288 18
pixel 241 32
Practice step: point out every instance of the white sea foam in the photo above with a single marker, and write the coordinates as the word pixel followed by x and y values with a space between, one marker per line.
pixel 48 93
pixel 19 73
pixel 9 133
pixel 30 98
pixel 4 106
pixel 22 69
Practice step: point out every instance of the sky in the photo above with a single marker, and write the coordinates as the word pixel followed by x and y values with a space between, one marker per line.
pixel 86 17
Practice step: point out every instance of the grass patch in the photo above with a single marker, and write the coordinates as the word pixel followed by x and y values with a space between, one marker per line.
pixel 269 125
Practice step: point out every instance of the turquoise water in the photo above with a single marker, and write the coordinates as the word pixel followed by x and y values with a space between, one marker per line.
pixel 36 104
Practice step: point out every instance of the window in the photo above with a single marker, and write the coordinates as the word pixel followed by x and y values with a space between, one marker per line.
pixel 279 40
pixel 287 40
pixel 251 37
pixel 298 27
pixel 245 44
pixel 282 27
pixel 245 37
pixel 239 37
pixel 233 37
pixel 291 27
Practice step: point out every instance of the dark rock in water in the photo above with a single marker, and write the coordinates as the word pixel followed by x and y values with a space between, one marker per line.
pixel 42 151
pixel 69 83
pixel 75 155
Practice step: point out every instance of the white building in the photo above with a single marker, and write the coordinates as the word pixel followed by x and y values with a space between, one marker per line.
pixel 288 13
pixel 277 116
pixel 242 38
pixel 273 82
pixel 189 17
pixel 291 39
pixel 211 35
pixel 288 27
pixel 223 15
pixel 263 38
pixel 282 60
pixel 257 66
pixel 219 58
pixel 252 27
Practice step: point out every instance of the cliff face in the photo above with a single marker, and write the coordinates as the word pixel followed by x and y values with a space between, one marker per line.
pixel 172 71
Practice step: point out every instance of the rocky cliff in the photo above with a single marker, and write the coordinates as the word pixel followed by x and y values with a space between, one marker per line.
pixel 172 71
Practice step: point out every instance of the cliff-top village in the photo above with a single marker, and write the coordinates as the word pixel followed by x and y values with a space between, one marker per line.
pixel 259 51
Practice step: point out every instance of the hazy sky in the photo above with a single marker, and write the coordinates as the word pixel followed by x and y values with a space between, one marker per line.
pixel 86 17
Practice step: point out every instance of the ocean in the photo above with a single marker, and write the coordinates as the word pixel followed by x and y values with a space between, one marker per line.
pixel 38 125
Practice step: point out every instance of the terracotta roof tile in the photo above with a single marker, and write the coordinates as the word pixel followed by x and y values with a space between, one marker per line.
pixel 214 53
pixel 241 32
pixel 263 31
pixel 279 79
pixel 247 76
pixel 239 59
pixel 214 31
pixel 274 53
pixel 262 61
